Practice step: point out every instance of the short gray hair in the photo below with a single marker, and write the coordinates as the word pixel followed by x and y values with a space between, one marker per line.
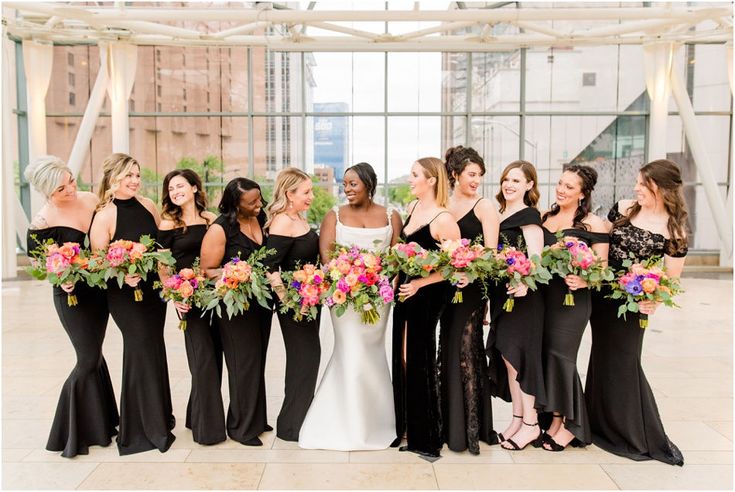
pixel 45 173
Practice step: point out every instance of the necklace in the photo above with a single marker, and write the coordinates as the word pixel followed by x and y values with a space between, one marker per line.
pixel 298 217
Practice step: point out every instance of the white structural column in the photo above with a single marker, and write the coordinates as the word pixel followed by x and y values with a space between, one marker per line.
pixel 728 202
pixel 704 166
pixel 122 59
pixel 657 62
pixel 91 113
pixel 37 60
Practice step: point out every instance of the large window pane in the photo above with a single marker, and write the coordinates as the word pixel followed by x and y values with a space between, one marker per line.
pixel 409 138
pixel 496 81
pixel 496 140
pixel 711 85
pixel 414 82
pixel 277 80
pixel 277 144
pixel 355 80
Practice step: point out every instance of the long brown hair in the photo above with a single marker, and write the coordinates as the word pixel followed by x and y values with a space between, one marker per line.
pixel 667 176
pixel 531 196
pixel 172 211
pixel 434 168
pixel 588 179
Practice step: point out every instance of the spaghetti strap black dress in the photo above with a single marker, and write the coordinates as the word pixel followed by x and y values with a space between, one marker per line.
pixel 416 386
pixel 146 414
pixel 244 342
pixel 205 414
pixel 86 414
pixel 301 338
pixel 517 336
pixel 467 412
pixel 623 413
pixel 563 330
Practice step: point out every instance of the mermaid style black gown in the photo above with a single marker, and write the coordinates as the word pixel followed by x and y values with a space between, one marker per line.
pixel 623 414
pixel 146 415
pixel 205 414
pixel 518 335
pixel 416 386
pixel 245 342
pixel 301 338
pixel 563 330
pixel 467 412
pixel 86 414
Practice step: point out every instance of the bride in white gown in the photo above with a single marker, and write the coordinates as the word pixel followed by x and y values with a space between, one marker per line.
pixel 353 405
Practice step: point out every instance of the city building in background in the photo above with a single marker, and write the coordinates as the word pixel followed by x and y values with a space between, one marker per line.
pixel 331 138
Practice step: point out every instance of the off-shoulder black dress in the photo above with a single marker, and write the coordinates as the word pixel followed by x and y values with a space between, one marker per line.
pixel 301 338
pixel 205 414
pixel 623 413
pixel 86 414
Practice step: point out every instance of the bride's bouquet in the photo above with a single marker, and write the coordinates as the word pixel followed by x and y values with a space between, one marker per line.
pixel 356 280
pixel 304 290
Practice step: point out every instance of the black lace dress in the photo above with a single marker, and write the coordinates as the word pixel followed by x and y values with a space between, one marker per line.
pixel 517 336
pixel 245 342
pixel 301 338
pixel 416 386
pixel 205 414
pixel 563 330
pixel 146 416
pixel 86 414
pixel 623 414
pixel 467 412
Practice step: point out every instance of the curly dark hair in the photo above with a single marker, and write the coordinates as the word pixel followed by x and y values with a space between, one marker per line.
pixel 229 204
pixel 172 211
pixel 457 158
pixel 588 178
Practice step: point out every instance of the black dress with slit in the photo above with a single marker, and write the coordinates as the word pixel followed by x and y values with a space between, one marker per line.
pixel 146 414
pixel 301 338
pixel 622 410
pixel 86 414
pixel 244 342
pixel 205 414
pixel 467 412
pixel 416 392
pixel 563 330
pixel 517 336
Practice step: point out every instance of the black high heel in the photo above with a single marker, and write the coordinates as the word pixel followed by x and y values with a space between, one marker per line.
pixel 500 434
pixel 556 447
pixel 534 442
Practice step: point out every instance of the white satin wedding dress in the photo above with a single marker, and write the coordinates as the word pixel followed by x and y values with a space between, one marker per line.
pixel 353 405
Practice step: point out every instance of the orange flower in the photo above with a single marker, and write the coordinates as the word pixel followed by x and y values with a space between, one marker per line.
pixel 185 289
pixel 339 297
pixel 187 273
pixel 649 285
pixel 299 276
pixel 309 269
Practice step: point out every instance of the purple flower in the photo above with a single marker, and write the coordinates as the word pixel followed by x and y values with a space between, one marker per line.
pixel 634 287
pixel 235 260
pixel 569 244
pixel 317 279
pixel 194 283
pixel 510 261
pixel 342 285
pixel 500 247
pixel 296 284
pixel 330 302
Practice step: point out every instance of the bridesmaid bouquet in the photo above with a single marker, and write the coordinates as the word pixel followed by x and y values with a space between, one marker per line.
pixel 187 287
pixel 572 256
pixel 125 257
pixel 517 269
pixel 64 264
pixel 240 282
pixel 305 288
pixel 411 259
pixel 644 281
pixel 461 257
pixel 356 280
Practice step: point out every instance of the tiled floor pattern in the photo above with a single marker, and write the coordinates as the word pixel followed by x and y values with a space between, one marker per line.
pixel 687 358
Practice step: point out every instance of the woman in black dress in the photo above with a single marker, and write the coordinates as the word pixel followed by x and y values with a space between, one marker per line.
pixel 184 222
pixel 236 233
pixel 564 325
pixel 415 372
pixel 146 415
pixel 467 412
pixel 623 414
pixel 86 414
pixel 516 337
pixel 296 244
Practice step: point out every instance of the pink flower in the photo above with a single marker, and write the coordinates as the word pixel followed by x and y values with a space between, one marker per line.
pixel 57 263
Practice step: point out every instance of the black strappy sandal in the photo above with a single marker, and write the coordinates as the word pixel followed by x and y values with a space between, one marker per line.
pixel 533 442
pixel 500 434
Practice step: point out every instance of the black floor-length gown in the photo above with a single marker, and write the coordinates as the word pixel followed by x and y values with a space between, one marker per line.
pixel 517 336
pixel 205 414
pixel 623 413
pixel 563 330
pixel 416 390
pixel 301 338
pixel 86 414
pixel 146 414
pixel 245 342
pixel 467 412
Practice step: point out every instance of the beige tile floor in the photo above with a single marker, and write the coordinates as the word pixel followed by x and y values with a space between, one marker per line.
pixel 687 357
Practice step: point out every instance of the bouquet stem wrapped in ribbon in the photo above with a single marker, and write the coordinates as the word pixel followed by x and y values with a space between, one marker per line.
pixel 124 257
pixel 516 268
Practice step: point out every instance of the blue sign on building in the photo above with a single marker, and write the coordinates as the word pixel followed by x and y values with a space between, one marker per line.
pixel 331 138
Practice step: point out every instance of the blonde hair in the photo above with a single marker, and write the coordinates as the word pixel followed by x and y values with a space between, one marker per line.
pixel 45 173
pixel 434 168
pixel 114 169
pixel 287 180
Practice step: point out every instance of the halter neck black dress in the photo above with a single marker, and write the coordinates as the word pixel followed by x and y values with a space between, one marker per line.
pixel 517 336
pixel 86 414
pixel 563 330
pixel 467 412
pixel 623 413
pixel 416 387
pixel 146 415
pixel 244 342
pixel 301 338
pixel 205 414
